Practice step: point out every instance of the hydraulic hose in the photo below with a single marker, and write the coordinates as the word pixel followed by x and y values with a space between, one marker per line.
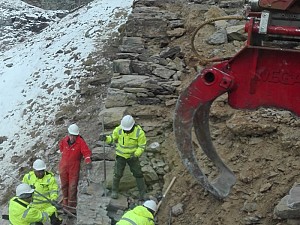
pixel 203 60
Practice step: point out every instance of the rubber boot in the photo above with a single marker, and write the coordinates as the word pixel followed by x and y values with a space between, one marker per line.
pixel 115 188
pixel 55 220
pixel 140 183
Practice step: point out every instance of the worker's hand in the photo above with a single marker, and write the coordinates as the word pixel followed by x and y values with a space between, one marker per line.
pixel 102 137
pixel 56 205
pixel 5 217
pixel 133 157
pixel 89 166
pixel 137 153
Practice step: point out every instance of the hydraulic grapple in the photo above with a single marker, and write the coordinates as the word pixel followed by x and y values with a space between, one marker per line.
pixel 265 73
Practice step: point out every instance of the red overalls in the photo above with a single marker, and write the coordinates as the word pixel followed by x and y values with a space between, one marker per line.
pixel 69 167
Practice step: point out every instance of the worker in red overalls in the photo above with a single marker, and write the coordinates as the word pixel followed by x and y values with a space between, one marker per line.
pixel 73 148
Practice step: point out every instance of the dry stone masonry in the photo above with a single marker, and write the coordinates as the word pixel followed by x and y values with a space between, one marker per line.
pixel 146 75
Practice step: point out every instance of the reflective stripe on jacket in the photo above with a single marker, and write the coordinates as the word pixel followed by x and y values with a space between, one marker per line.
pixel 140 215
pixel 128 145
pixel 22 213
pixel 46 186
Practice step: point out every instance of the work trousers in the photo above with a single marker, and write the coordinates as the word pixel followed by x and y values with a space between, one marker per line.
pixel 54 220
pixel 69 176
pixel 133 163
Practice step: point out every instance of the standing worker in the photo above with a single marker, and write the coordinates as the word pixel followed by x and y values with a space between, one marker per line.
pixel 45 184
pixel 141 215
pixel 20 210
pixel 130 142
pixel 73 148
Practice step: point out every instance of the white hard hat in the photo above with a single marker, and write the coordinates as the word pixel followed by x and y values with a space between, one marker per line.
pixel 39 165
pixel 150 204
pixel 73 129
pixel 24 190
pixel 127 122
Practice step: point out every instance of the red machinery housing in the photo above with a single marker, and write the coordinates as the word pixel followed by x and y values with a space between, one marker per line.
pixel 265 73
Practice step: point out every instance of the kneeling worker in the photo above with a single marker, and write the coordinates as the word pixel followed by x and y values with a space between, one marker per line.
pixel 142 215
pixel 46 188
pixel 21 211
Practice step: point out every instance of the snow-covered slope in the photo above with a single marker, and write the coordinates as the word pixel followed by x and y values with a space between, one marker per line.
pixel 35 74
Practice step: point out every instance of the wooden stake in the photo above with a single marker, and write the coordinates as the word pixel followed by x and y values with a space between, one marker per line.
pixel 166 192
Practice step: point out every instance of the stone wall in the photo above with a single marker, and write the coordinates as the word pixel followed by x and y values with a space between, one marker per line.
pixel 147 73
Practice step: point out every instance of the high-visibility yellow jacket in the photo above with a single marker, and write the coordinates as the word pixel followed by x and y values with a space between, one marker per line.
pixel 22 213
pixel 140 215
pixel 128 145
pixel 47 186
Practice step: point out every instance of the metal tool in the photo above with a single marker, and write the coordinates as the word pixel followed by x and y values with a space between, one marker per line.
pixel 170 217
pixel 55 204
pixel 88 177
pixel 104 159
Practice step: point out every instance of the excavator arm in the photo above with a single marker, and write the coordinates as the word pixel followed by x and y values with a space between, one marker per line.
pixel 265 73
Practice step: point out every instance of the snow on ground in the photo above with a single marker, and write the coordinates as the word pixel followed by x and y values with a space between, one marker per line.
pixel 15 18
pixel 34 75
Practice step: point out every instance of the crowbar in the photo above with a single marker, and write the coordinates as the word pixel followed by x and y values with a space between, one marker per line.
pixel 88 177
pixel 104 158
pixel 170 217
pixel 51 202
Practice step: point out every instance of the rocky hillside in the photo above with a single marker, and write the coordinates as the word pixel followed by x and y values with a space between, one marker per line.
pixel 56 4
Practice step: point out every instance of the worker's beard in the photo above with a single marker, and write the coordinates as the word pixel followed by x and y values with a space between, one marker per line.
pixel 72 139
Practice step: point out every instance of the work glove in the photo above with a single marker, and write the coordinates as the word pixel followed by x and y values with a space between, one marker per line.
pixel 89 166
pixel 5 217
pixel 56 205
pixel 102 137
pixel 138 153
pixel 133 157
